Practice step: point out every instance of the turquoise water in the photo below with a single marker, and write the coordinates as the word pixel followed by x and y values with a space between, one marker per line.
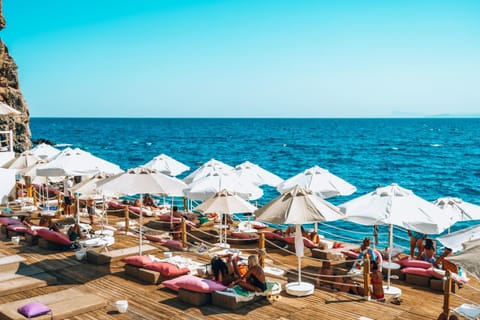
pixel 432 157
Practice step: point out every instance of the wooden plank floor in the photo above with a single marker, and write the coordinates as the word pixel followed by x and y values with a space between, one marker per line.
pixel 157 302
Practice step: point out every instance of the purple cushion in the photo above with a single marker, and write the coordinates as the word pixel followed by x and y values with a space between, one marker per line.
pixel 33 309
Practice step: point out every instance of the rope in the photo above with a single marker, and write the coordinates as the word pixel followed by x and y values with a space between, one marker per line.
pixel 464 299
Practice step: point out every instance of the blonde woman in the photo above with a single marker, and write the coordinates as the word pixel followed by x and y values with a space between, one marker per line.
pixel 254 279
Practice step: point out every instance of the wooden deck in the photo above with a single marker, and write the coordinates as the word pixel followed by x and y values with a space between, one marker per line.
pixel 157 302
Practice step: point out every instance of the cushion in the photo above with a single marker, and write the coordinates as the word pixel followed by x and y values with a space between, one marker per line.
pixel 194 283
pixel 172 244
pixel 33 309
pixel 245 235
pixel 417 271
pixel 407 262
pixel 167 269
pixel 54 236
pixel 166 217
pixel 437 273
pixel 8 221
pixel 18 228
pixel 272 236
pixel 138 261
pixel 351 254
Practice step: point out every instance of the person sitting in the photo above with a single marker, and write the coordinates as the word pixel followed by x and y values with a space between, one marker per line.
pixel 254 279
pixel 91 209
pixel 325 278
pixel 366 250
pixel 223 269
pixel 376 279
pixel 446 253
pixel 137 203
pixel 416 240
pixel 428 253
pixel 53 226
pixel 74 232
pixel 148 201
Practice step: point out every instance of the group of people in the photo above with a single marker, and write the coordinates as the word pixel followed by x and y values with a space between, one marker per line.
pixel 426 249
pixel 228 271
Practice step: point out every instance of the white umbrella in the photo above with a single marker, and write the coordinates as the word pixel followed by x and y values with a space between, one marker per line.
pixel 88 187
pixel 394 205
pixel 31 172
pixel 212 183
pixel 76 162
pixel 298 206
pixel 25 159
pixel 455 239
pixel 142 180
pixel 320 181
pixel 468 258
pixel 6 110
pixel 225 202
pixel 209 167
pixel 166 165
pixel 257 175
pixel 45 151
pixel 458 210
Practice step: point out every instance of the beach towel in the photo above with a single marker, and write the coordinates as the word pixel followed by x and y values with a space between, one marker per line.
pixel 242 295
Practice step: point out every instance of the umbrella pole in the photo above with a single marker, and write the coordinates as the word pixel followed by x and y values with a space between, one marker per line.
pixel 140 226
pixel 299 269
pixel 390 245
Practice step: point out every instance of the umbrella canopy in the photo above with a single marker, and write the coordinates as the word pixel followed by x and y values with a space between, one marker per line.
pixel 45 151
pixel 88 188
pixel 298 206
pixel 142 180
pixel 76 162
pixel 166 165
pixel 468 258
pixel 6 110
pixel 25 159
pixel 457 209
pixel 320 181
pixel 398 206
pixel 209 167
pixel 454 240
pixel 225 202
pixel 31 172
pixel 257 175
pixel 205 187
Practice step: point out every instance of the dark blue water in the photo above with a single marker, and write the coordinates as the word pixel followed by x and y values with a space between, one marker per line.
pixel 432 157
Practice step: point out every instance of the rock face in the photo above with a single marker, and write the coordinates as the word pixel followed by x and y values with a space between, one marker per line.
pixel 10 94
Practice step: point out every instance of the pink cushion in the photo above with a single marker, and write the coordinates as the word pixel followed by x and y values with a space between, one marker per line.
pixel 139 261
pixel 245 235
pixel 456 278
pixel 351 254
pixel 436 273
pixel 309 243
pixel 33 309
pixel 54 236
pixel 166 217
pixel 417 271
pixel 272 236
pixel 8 221
pixel 406 262
pixel 194 283
pixel 172 244
pixel 289 239
pixel 167 269
pixel 18 228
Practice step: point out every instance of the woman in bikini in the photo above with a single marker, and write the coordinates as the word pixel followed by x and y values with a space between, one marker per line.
pixel 376 279
pixel 254 278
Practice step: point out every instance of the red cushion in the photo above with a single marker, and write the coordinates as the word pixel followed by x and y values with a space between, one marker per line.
pixel 167 217
pixel 8 221
pixel 407 262
pixel 139 261
pixel 417 271
pixel 272 236
pixel 436 273
pixel 54 236
pixel 167 269
pixel 351 254
pixel 194 283
pixel 309 243
pixel 18 228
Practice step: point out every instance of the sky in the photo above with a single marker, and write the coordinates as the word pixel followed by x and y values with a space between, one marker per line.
pixel 246 58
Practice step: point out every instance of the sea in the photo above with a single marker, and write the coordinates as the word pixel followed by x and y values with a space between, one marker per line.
pixel 433 157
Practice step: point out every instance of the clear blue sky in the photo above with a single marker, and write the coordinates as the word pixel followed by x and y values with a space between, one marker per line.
pixel 246 58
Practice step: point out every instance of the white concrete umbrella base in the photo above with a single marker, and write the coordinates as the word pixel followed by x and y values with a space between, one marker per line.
pixel 299 289
pixel 392 290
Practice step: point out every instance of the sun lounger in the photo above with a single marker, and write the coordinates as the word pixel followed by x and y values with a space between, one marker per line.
pixel 64 304
pixel 115 255
pixel 234 298
pixel 13 283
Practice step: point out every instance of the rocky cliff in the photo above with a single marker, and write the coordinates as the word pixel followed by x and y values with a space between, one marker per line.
pixel 11 94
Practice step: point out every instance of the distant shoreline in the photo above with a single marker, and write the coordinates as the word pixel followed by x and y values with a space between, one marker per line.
pixel 276 118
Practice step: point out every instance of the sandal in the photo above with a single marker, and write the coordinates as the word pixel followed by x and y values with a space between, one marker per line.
pixel 396 302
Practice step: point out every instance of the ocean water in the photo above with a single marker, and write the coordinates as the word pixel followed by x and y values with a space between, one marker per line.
pixel 433 157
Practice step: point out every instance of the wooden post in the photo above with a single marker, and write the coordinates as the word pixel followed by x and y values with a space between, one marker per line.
pixel 34 195
pixel 446 293
pixel 184 233
pixel 261 247
pixel 366 277
pixel 59 204
pixel 127 220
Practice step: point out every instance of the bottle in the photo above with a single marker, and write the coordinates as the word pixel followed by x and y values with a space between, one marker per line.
pixel 460 272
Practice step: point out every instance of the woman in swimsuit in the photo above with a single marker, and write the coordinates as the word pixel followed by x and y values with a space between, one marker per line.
pixel 254 278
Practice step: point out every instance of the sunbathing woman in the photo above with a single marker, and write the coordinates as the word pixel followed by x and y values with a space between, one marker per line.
pixel 74 232
pixel 254 279
pixel 223 269
pixel 376 279
pixel 428 253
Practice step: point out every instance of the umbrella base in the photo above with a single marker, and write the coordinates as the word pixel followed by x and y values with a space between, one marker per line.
pixel 392 290
pixel 299 289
